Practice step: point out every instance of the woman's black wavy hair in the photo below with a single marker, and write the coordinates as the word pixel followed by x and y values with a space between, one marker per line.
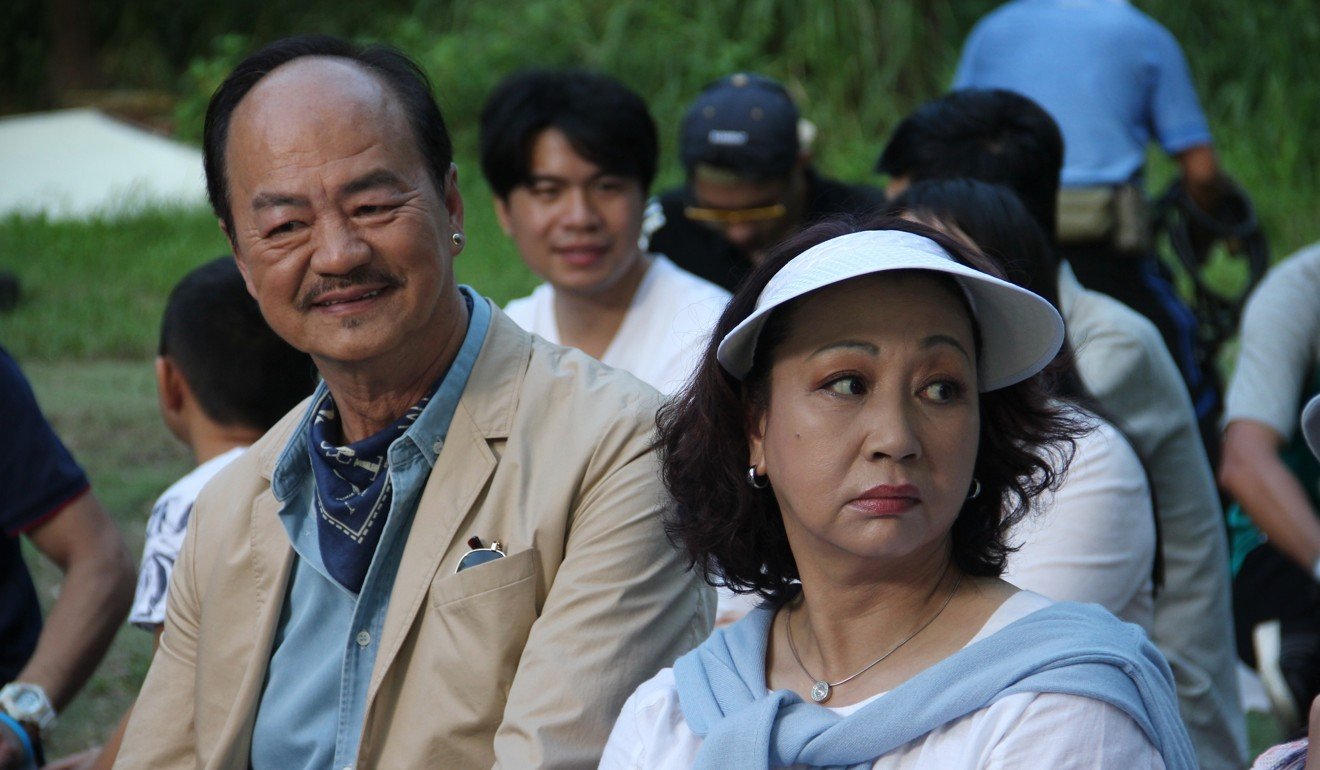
pixel 735 534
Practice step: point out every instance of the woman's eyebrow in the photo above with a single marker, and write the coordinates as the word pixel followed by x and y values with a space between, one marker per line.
pixel 944 339
pixel 864 347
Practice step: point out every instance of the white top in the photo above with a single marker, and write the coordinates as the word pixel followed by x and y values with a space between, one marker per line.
pixel 1018 731
pixel 1123 362
pixel 1280 345
pixel 165 529
pixel 664 333
pixel 1094 539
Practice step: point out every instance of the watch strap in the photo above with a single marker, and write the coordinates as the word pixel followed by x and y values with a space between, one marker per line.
pixel 15 727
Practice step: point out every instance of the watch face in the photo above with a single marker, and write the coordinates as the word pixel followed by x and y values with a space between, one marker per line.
pixel 28 701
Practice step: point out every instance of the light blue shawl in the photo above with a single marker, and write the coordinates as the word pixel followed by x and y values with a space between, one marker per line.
pixel 1064 648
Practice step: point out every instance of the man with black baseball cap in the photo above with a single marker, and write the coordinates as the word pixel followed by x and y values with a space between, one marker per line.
pixel 750 181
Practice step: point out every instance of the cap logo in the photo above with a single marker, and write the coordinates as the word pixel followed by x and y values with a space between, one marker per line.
pixel 726 138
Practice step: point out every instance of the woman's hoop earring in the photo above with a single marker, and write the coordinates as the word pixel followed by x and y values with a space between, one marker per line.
pixel 756 481
pixel 976 489
pixel 457 238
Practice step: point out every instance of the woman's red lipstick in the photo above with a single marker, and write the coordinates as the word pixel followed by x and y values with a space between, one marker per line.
pixel 887 500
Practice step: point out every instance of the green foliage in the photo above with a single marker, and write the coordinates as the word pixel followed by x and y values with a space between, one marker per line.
pixel 203 76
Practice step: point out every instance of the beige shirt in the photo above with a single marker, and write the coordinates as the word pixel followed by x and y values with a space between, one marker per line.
pixel 521 663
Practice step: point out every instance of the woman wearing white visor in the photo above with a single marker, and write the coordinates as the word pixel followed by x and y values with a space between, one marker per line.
pixel 865 428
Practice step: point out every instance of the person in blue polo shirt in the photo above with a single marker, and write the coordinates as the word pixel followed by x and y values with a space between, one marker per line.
pixel 1114 80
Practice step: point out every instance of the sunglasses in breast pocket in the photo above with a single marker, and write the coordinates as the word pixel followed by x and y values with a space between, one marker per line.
pixel 479 554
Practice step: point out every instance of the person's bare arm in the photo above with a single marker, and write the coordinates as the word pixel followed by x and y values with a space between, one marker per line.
pixel 1200 172
pixel 94 598
pixel 1252 472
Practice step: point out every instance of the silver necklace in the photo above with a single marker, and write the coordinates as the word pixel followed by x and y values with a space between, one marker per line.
pixel 821 690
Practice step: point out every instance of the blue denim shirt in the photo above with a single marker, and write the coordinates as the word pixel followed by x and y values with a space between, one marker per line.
pixel 314 700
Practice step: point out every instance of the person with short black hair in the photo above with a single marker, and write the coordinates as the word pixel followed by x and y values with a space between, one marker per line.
pixel 215 342
pixel 867 426
pixel 1005 138
pixel 570 156
pixel 990 135
pixel 747 156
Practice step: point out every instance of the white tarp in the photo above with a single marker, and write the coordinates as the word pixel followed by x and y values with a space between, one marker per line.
pixel 76 163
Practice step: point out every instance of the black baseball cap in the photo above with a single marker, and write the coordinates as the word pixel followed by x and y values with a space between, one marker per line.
pixel 744 123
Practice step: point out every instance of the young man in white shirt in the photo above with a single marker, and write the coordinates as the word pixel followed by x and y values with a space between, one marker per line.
pixel 570 157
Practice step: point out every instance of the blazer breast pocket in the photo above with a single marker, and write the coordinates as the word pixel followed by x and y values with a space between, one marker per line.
pixel 513 574
pixel 472 638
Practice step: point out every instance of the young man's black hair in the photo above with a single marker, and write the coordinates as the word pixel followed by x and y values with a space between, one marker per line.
pixel 240 371
pixel 993 135
pixel 606 122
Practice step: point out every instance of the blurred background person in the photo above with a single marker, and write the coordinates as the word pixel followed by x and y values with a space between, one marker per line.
pixel 1296 755
pixel 1275 480
pixel 1004 138
pixel 751 182
pixel 1113 79
pixel 570 157
pixel 49 501
pixel 223 379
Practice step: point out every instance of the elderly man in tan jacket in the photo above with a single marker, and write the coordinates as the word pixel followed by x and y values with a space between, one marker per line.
pixel 453 555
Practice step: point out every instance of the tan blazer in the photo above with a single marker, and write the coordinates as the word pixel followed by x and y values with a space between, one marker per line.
pixel 522 662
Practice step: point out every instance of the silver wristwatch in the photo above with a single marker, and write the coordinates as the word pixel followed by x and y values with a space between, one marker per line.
pixel 28 703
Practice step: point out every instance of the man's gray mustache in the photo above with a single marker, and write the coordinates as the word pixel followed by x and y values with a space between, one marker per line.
pixel 324 285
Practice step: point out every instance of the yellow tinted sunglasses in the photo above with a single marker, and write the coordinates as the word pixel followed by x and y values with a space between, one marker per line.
pixel 735 216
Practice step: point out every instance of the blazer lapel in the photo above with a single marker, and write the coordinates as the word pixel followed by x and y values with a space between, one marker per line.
pixel 465 464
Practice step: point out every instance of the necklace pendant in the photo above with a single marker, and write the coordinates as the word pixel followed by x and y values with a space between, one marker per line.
pixel 820 691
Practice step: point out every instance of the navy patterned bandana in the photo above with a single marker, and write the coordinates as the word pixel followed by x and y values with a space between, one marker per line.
pixel 352 491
